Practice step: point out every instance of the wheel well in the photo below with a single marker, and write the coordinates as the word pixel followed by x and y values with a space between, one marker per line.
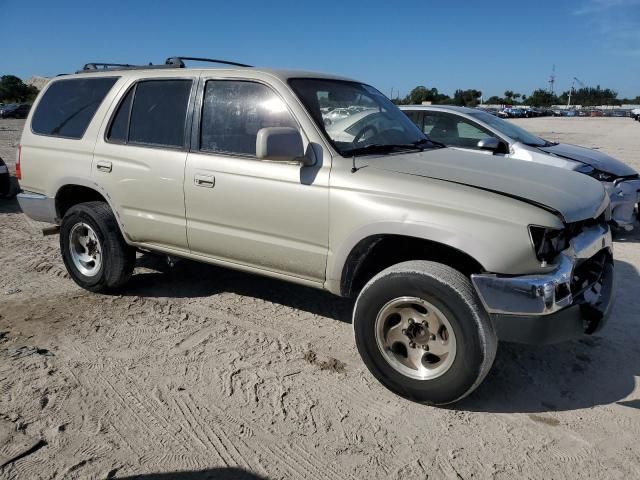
pixel 70 195
pixel 373 254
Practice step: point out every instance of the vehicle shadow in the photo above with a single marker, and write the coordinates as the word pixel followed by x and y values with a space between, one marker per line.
pixel 189 279
pixel 223 473
pixel 595 370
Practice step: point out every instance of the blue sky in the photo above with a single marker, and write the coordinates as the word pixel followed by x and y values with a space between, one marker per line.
pixel 491 46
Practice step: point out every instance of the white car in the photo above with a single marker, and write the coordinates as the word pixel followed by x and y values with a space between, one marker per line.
pixel 472 129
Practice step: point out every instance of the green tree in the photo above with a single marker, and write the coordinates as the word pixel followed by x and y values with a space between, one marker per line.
pixel 542 98
pixel 590 96
pixel 467 98
pixel 508 95
pixel 423 94
pixel 12 89
pixel 495 100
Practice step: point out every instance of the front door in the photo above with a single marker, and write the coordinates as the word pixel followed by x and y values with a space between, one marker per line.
pixel 268 215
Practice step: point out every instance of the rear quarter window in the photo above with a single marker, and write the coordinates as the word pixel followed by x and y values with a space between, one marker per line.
pixel 67 107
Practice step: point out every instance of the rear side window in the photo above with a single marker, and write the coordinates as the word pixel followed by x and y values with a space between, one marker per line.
pixel 67 107
pixel 234 111
pixel 119 131
pixel 152 113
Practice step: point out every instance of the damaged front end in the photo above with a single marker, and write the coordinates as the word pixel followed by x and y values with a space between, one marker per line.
pixel 572 299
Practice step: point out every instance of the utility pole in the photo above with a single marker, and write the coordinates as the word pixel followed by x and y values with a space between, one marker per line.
pixel 573 82
pixel 552 79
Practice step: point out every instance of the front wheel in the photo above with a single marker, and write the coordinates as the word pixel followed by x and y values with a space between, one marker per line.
pixel 422 332
pixel 93 250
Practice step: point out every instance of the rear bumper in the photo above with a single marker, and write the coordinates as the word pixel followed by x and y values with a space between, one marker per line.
pixel 38 207
pixel 573 299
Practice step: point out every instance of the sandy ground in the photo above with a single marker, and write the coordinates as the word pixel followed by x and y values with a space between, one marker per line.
pixel 200 372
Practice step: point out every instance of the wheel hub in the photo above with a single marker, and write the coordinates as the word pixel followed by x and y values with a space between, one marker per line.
pixel 415 338
pixel 85 249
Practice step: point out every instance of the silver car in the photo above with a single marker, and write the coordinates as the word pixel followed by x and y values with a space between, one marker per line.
pixel 473 129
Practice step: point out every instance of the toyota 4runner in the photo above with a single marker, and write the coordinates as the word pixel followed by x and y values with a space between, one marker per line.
pixel 446 251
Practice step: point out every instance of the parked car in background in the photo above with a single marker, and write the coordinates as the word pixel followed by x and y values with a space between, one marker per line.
pixel 511 112
pixel 474 130
pixel 492 111
pixel 8 186
pixel 444 251
pixel 635 114
pixel 15 111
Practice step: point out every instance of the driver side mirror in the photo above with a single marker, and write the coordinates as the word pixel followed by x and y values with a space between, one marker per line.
pixel 492 144
pixel 281 144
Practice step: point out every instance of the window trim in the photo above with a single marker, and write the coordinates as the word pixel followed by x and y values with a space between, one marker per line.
pixel 185 147
pixel 199 108
pixel 53 82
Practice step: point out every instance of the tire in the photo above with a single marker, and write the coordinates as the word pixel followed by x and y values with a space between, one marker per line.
pixel 450 301
pixel 5 186
pixel 105 262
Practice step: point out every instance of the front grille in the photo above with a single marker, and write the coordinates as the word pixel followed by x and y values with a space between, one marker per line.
pixel 588 274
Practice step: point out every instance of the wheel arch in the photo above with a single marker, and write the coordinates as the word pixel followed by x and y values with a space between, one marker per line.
pixel 74 191
pixel 376 252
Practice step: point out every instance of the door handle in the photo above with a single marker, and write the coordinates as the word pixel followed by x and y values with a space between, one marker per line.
pixel 104 166
pixel 206 181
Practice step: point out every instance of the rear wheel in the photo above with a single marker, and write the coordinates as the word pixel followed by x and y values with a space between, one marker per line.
pixel 94 252
pixel 422 332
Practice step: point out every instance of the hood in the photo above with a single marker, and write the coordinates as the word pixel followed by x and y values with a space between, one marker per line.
pixel 596 159
pixel 574 196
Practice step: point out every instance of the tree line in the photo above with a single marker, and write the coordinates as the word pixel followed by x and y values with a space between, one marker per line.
pixel 14 90
pixel 585 96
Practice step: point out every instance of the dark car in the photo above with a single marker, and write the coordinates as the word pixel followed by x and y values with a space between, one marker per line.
pixel 16 111
pixel 8 187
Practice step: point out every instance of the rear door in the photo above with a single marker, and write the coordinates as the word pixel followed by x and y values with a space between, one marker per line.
pixel 140 160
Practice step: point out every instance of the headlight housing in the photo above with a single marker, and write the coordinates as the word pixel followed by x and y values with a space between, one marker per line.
pixel 595 173
pixel 547 242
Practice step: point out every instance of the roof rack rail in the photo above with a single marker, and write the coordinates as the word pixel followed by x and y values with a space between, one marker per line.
pixel 104 66
pixel 108 67
pixel 171 62
pixel 179 61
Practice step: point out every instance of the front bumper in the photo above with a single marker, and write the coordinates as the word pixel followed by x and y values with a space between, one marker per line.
pixel 624 195
pixel 573 299
pixel 38 207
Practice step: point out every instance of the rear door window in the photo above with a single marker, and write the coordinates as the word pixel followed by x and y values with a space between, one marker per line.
pixel 159 112
pixel 67 106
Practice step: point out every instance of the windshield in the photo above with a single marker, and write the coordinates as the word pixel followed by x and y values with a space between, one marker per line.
pixel 510 130
pixel 357 118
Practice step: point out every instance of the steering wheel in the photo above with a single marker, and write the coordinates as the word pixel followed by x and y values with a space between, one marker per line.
pixel 360 134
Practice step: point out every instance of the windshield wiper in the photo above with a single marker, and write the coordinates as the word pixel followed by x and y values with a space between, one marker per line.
pixel 387 147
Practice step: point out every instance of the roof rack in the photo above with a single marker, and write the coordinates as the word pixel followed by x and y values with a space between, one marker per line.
pixel 171 62
pixel 180 61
